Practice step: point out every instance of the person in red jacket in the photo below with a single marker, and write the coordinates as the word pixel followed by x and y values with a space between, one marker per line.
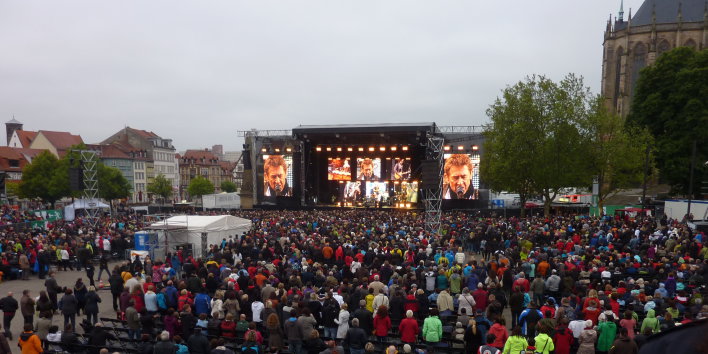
pixel 382 323
pixel 228 327
pixel 563 339
pixel 409 328
pixel 480 297
pixel 500 333
pixel 411 303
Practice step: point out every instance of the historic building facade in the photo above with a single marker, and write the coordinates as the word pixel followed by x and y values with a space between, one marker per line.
pixel 635 42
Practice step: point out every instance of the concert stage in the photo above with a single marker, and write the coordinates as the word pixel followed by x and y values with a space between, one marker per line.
pixel 363 166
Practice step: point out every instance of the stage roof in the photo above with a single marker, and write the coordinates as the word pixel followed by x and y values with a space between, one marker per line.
pixel 365 128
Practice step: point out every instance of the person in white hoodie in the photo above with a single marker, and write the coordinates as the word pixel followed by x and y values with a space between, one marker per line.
pixel 342 321
pixel 217 307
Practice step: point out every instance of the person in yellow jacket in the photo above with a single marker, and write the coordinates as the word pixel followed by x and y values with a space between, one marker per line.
pixel 544 343
pixel 515 343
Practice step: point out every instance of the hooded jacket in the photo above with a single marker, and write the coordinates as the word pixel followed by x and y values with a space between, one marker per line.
pixel 650 322
pixel 624 345
pixel 432 329
pixel 30 343
pixel 607 331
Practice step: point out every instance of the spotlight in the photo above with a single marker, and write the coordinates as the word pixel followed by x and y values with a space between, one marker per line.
pixel 460 147
pixel 408 205
pixel 329 148
pixel 361 149
pixel 277 149
pixel 264 150
pixel 475 147
pixel 339 149
pixel 405 148
pixel 371 149
pixel 382 148
pixel 318 148
pixel 288 149
pixel 394 148
pixel 447 148
pixel 350 149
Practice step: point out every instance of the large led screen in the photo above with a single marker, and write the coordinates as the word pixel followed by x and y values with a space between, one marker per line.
pixel 377 191
pixel 400 169
pixel 277 175
pixel 368 169
pixel 406 192
pixel 352 192
pixel 461 176
pixel 339 169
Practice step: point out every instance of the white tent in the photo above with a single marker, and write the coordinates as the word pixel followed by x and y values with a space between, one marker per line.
pixel 70 210
pixel 197 230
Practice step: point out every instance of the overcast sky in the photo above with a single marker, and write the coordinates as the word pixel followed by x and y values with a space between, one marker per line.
pixel 198 71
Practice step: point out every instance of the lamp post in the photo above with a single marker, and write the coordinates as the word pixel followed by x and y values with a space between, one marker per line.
pixel 690 181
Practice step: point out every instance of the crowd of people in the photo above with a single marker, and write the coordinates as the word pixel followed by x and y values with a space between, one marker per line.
pixel 362 281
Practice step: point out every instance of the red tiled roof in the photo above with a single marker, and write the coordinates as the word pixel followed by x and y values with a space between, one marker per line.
pixel 26 137
pixel 199 154
pixel 19 154
pixel 113 152
pixel 144 133
pixel 61 140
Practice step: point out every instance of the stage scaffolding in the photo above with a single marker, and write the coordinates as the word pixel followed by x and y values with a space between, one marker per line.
pixel 432 198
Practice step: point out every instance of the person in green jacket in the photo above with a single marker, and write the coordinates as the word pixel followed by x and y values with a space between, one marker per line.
pixel 516 342
pixel 606 333
pixel 432 327
pixel 543 342
pixel 650 322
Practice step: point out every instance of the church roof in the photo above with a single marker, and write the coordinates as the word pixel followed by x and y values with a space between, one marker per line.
pixel 13 121
pixel 667 11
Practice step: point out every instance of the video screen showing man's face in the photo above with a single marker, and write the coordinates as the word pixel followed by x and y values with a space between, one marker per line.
pixel 458 177
pixel 369 169
pixel 275 173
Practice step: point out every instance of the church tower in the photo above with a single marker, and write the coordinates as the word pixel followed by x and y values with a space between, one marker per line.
pixel 636 42
pixel 10 128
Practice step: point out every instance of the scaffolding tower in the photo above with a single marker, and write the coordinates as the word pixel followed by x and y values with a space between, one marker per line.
pixel 433 196
pixel 89 161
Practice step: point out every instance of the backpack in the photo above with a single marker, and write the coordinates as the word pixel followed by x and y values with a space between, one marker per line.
pixel 250 350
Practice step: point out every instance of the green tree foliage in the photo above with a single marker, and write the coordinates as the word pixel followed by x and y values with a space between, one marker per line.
pixel 228 186
pixel 160 187
pixel 539 137
pixel 37 178
pixel 112 184
pixel 619 154
pixel 671 101
pixel 200 186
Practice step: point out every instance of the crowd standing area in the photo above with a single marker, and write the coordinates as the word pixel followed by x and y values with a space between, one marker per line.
pixel 361 281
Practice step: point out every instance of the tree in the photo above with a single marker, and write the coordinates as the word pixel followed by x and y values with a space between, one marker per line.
pixel 37 178
pixel 112 184
pixel 160 187
pixel 619 154
pixel 539 138
pixel 228 186
pixel 670 101
pixel 200 186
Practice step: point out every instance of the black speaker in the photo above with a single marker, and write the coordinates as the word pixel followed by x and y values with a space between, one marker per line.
pixel 430 170
pixel 76 178
pixel 246 158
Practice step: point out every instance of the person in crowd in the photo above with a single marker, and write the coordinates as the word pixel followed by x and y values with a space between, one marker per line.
pixel 29 342
pixel 587 339
pixel 432 328
pixel 516 343
pixel 624 344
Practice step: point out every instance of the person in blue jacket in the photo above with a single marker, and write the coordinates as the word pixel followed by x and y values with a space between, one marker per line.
pixel 202 303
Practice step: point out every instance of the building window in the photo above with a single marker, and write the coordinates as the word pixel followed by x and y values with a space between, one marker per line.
pixel 14 163
pixel 638 63
pixel 663 47
pixel 205 172
pixel 618 75
pixel 690 43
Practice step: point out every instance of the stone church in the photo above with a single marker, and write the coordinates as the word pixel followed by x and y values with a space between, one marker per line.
pixel 636 41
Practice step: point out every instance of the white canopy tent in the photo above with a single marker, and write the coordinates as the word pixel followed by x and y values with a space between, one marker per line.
pixel 197 230
pixel 70 210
